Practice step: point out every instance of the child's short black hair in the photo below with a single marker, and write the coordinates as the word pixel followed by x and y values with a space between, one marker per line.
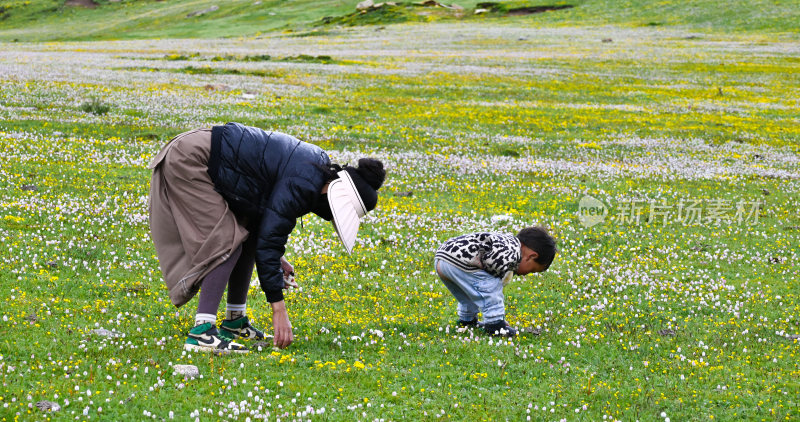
pixel 539 240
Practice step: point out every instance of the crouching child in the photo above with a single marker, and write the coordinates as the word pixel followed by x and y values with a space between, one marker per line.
pixel 475 267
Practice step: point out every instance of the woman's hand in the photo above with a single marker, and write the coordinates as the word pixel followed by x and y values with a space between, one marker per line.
pixel 288 274
pixel 287 268
pixel 283 327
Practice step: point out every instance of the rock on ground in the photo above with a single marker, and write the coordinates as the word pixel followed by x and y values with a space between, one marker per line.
pixel 48 406
pixel 203 12
pixel 102 332
pixel 188 371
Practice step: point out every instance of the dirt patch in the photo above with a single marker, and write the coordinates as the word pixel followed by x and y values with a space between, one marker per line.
pixel 519 8
pixel 521 11
pixel 89 4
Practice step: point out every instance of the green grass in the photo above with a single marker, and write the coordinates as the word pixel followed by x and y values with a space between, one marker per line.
pixel 95 106
pixel 491 116
pixel 50 20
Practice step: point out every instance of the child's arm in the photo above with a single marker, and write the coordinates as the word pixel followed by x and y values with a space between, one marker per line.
pixel 507 277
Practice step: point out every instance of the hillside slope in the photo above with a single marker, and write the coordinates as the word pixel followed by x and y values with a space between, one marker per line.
pixel 52 20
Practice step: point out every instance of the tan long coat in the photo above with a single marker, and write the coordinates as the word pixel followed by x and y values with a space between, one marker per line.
pixel 191 225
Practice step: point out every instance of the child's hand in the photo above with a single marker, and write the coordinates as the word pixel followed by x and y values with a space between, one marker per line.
pixel 507 277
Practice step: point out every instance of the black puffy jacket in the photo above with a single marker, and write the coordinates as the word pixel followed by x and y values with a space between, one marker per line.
pixel 269 178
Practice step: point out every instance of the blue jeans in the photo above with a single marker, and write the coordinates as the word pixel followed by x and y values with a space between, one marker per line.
pixel 474 291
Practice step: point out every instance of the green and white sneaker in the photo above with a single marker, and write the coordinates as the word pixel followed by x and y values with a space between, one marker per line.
pixel 241 328
pixel 206 338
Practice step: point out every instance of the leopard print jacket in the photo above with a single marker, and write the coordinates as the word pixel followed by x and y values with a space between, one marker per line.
pixel 495 253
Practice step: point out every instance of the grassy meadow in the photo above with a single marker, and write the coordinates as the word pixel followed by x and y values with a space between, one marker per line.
pixel 682 304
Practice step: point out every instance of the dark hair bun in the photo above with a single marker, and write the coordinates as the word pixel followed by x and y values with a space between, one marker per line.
pixel 371 170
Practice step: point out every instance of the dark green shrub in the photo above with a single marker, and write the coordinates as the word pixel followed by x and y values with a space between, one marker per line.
pixel 96 106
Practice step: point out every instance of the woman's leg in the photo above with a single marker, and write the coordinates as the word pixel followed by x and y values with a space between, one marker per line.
pixel 236 323
pixel 205 337
pixel 239 282
pixel 212 288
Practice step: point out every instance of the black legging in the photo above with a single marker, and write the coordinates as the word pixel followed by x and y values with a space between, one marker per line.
pixel 236 273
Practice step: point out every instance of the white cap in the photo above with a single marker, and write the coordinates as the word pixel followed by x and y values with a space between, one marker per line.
pixel 347 209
